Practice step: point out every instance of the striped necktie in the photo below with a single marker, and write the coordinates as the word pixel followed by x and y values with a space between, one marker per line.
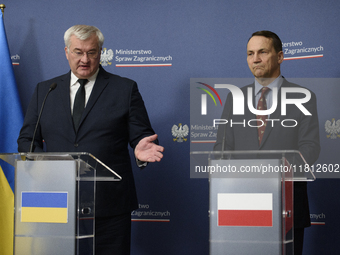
pixel 262 122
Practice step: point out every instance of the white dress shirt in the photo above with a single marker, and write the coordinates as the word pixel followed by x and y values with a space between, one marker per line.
pixel 74 86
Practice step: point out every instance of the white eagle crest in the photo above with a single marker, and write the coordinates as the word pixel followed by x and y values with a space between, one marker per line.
pixel 333 128
pixel 180 132
pixel 106 57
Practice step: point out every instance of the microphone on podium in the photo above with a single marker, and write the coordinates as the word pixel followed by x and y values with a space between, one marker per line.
pixel 52 87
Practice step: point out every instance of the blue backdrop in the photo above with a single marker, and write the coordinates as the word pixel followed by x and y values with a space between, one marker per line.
pixel 180 40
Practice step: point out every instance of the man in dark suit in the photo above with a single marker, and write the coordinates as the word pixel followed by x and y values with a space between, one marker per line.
pixel 112 115
pixel 264 57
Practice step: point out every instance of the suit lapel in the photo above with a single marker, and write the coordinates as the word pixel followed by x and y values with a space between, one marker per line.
pixel 64 96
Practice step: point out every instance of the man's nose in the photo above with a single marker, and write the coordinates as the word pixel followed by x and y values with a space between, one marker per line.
pixel 84 58
pixel 257 58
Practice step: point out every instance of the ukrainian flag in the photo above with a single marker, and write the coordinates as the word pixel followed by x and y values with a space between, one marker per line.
pixel 7 215
pixel 46 207
pixel 11 119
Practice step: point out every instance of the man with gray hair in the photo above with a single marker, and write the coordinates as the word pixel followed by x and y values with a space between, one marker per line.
pixel 94 111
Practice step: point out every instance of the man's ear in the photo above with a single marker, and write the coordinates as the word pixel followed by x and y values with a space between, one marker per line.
pixel 66 52
pixel 280 57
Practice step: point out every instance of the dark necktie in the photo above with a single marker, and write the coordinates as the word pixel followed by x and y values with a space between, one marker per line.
pixel 79 103
pixel 262 105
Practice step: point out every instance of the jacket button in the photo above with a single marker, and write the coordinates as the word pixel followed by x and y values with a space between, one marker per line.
pixel 76 145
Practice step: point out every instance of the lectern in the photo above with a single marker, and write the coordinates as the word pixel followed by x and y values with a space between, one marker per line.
pixel 55 201
pixel 251 199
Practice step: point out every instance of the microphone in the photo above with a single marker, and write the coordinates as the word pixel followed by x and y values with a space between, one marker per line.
pixel 52 87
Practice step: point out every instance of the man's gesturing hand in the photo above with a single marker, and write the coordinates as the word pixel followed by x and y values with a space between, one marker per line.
pixel 148 151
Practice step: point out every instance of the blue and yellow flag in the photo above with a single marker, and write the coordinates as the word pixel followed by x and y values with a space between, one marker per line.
pixel 11 119
pixel 48 207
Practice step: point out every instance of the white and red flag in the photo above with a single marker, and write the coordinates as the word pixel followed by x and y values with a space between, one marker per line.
pixel 245 209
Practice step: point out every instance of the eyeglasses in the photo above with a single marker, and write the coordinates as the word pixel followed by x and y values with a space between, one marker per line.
pixel 80 54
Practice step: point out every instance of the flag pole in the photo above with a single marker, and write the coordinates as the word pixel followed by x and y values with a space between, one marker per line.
pixel 2 7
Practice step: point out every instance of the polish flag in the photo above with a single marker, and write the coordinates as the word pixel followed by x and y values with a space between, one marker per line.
pixel 245 209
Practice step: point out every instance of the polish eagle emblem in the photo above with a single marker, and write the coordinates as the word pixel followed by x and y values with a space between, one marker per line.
pixel 180 132
pixel 332 128
pixel 106 57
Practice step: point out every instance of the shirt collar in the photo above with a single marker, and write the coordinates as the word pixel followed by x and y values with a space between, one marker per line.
pixel 274 84
pixel 74 78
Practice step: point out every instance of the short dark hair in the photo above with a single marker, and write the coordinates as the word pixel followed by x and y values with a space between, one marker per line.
pixel 268 34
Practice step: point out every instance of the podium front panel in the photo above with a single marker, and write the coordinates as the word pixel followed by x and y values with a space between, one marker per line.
pixel 54 208
pixel 245 213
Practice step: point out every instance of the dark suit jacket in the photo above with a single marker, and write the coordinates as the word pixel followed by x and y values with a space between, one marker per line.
pixel 304 137
pixel 114 117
